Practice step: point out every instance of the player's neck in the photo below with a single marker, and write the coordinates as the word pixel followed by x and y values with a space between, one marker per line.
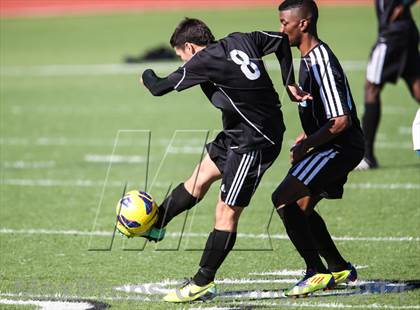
pixel 308 42
pixel 198 48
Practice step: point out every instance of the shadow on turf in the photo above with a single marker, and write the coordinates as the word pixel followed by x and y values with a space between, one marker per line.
pixel 400 166
pixel 366 287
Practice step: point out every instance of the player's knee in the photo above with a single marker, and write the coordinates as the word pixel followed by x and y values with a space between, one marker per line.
pixel 306 210
pixel 227 217
pixel 199 182
pixel 304 206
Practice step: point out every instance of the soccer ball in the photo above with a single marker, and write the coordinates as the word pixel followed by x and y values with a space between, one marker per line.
pixel 136 213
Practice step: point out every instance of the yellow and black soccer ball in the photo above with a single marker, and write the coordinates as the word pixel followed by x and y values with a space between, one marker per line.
pixel 136 213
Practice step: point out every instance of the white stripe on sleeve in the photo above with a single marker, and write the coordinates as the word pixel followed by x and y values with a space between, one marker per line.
pixel 318 80
pixel 324 81
pixel 332 80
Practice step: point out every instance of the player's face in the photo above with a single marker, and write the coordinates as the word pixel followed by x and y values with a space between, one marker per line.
pixel 185 53
pixel 291 25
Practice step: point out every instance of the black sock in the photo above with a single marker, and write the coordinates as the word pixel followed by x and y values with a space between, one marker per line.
pixel 177 202
pixel 297 229
pixel 325 244
pixel 370 123
pixel 218 246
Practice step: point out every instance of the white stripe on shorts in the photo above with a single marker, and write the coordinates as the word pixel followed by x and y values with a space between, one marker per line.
pixel 319 167
pixel 259 171
pixel 376 63
pixel 245 164
pixel 313 162
pixel 305 161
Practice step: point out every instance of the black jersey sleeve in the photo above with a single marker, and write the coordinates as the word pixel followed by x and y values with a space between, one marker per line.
pixel 190 74
pixel 331 82
pixel 156 85
pixel 269 42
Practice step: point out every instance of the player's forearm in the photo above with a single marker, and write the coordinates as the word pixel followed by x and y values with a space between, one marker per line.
pixel 284 56
pixel 157 86
pixel 329 131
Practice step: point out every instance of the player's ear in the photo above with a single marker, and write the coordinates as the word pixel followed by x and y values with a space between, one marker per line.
pixel 189 48
pixel 304 25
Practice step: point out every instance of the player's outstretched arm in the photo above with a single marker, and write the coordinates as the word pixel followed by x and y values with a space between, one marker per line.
pixel 156 85
pixel 278 43
pixel 284 56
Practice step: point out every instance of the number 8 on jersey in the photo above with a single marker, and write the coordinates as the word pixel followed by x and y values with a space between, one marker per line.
pixel 242 59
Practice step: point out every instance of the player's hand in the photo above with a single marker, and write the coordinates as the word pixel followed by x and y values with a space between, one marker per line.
pixel 296 94
pixel 148 74
pixel 299 138
pixel 396 13
pixel 298 151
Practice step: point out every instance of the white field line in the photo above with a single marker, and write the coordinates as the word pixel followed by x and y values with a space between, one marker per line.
pixel 49 305
pixel 116 158
pixel 185 149
pixel 65 141
pixel 384 186
pixel 159 288
pixel 96 183
pixel 70 297
pixel 21 164
pixel 124 69
pixel 59 183
pixel 393 145
pixel 235 304
pixel 29 231
pixel 189 146
pixel 135 159
pixel 306 304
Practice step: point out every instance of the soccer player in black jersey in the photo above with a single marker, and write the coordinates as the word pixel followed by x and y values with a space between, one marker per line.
pixel 395 54
pixel 330 146
pixel 231 74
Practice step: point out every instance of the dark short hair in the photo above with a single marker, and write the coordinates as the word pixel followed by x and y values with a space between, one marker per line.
pixel 308 7
pixel 191 30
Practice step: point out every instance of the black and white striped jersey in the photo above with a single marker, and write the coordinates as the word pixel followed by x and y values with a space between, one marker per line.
pixel 232 75
pixel 323 77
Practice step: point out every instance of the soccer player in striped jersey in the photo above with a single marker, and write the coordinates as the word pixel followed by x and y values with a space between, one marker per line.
pixel 395 54
pixel 232 75
pixel 330 146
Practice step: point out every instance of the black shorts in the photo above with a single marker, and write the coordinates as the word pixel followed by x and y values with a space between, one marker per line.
pixel 393 58
pixel 324 170
pixel 241 173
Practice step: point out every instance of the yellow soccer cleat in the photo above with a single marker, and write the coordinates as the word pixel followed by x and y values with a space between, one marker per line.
pixel 189 291
pixel 312 282
pixel 346 275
